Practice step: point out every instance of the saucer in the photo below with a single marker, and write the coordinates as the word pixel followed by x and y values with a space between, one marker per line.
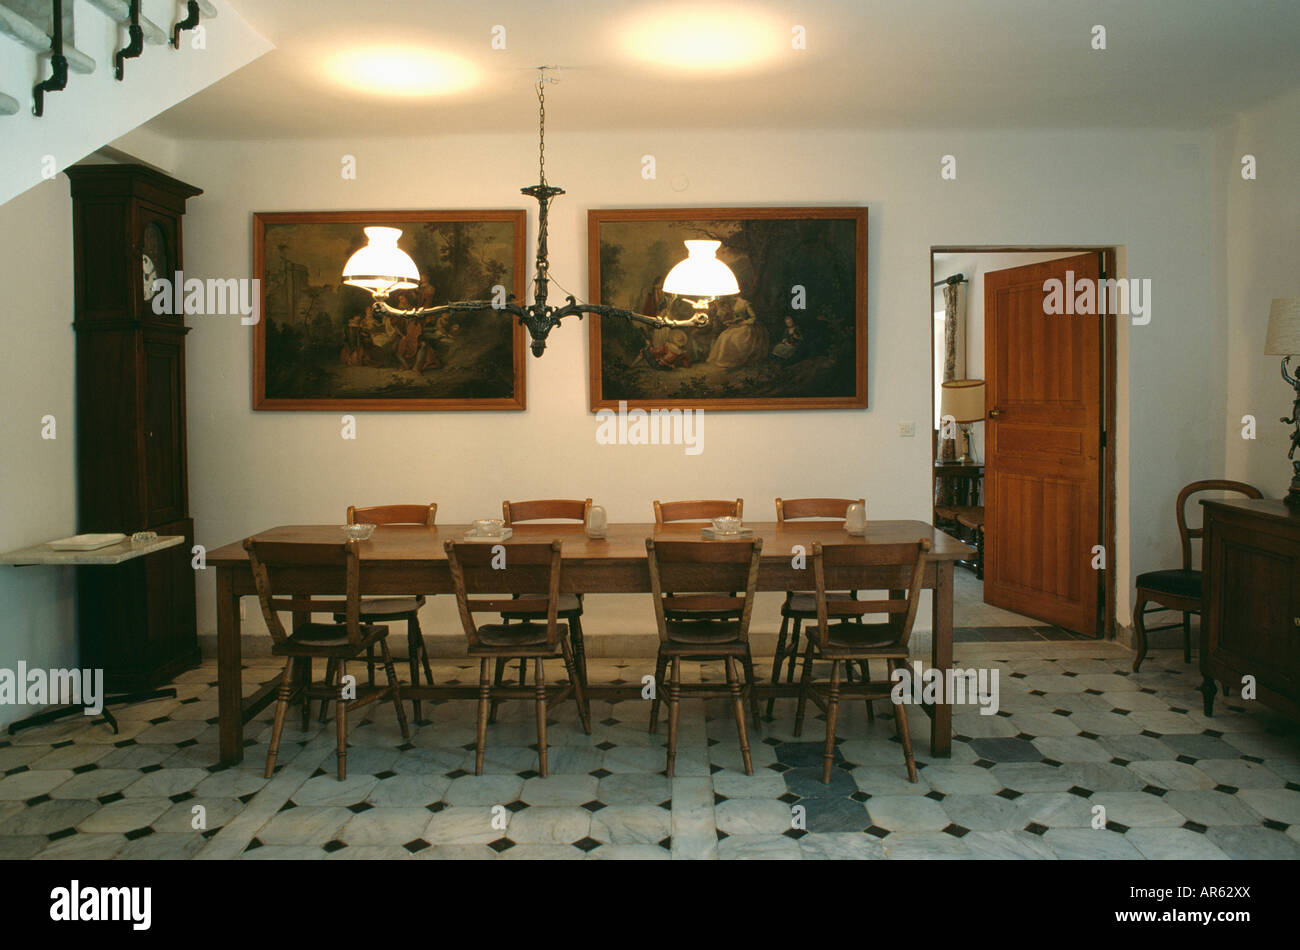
pixel 504 535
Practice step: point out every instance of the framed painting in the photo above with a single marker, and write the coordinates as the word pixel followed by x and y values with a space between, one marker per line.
pixel 795 337
pixel 318 344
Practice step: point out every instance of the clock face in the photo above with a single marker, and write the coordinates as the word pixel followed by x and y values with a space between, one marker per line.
pixel 154 259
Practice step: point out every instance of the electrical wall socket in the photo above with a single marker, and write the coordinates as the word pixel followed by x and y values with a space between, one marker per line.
pixel 907 429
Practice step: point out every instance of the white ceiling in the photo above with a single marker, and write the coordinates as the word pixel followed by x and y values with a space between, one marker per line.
pixel 868 64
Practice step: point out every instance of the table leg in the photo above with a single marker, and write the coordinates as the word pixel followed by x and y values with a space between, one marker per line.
pixel 229 685
pixel 941 655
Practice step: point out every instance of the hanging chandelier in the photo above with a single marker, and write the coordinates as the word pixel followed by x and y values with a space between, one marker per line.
pixel 381 267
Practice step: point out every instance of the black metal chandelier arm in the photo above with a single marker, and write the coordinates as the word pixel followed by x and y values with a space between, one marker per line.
pixel 510 307
pixel 573 307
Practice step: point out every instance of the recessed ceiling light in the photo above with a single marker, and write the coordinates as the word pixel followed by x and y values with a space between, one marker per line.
pixel 406 72
pixel 711 38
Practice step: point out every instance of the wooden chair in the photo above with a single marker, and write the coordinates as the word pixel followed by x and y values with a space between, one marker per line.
pixel 1178 589
pixel 838 566
pixel 396 609
pixel 531 570
pixel 570 607
pixel 336 643
pixel 703 626
pixel 668 511
pixel 801 605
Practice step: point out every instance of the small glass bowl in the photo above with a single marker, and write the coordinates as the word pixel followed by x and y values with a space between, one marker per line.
pixel 726 525
pixel 359 532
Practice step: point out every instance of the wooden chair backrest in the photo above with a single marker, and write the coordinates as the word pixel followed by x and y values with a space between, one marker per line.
pixel 840 566
pixel 394 514
pixel 685 575
pixel 1187 535
pixel 273 564
pixel 666 511
pixel 790 509
pixel 530 570
pixel 546 509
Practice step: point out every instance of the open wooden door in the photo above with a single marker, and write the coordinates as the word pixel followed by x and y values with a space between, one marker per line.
pixel 1043 470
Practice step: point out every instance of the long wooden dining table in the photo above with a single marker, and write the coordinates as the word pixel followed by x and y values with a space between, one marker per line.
pixel 409 559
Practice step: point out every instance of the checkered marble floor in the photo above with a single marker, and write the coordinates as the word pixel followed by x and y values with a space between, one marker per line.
pixel 1075 730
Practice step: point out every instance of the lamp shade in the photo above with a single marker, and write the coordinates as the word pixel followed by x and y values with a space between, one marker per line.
pixel 1283 327
pixel 701 274
pixel 381 265
pixel 963 399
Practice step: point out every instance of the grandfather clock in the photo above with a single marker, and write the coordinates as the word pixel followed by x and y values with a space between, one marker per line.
pixel 136 620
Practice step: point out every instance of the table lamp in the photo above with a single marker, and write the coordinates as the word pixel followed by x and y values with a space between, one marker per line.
pixel 1284 340
pixel 963 400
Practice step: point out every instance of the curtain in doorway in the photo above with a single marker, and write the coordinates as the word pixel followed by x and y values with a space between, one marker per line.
pixel 954 347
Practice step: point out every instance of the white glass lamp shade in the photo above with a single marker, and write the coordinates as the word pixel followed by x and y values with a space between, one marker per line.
pixel 963 399
pixel 1283 327
pixel 701 274
pixel 381 265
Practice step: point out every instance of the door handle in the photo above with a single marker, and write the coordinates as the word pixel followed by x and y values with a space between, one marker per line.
pixel 994 412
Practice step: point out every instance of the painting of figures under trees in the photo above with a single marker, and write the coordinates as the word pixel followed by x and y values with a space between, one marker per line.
pixel 795 337
pixel 321 345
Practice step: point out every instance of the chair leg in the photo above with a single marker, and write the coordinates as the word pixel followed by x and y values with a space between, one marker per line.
pixel 539 681
pixel 747 662
pixel 866 681
pixel 330 672
pixel 832 714
pixel 484 698
pixel 674 709
pixel 370 665
pixel 1187 637
pixel 341 718
pixel 304 683
pixel 496 681
pixel 777 659
pixel 395 685
pixel 579 649
pixel 579 690
pixel 414 624
pixel 803 689
pixel 904 731
pixel 794 651
pixel 1139 632
pixel 733 686
pixel 413 661
pixel 281 710
pixel 661 666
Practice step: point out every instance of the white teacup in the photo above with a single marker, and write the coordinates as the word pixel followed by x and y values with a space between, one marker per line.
pixel 726 525
pixel 489 526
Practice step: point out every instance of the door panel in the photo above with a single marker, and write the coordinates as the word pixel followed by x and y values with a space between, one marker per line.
pixel 163 446
pixel 1043 448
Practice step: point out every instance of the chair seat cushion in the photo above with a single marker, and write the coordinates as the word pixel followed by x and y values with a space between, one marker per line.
pixel 703 632
pixel 524 634
pixel 389 606
pixel 568 605
pixel 803 605
pixel 326 636
pixel 1178 583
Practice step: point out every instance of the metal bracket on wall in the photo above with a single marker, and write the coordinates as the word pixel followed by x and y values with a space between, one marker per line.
pixel 190 22
pixel 132 49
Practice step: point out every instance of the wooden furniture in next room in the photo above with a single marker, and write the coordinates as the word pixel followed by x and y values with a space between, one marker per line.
pixel 136 621
pixel 1178 589
pixel 274 565
pixel 958 508
pixel 400 559
pixel 570 609
pixel 396 609
pixel 1250 624
pixel 698 626
pixel 801 605
pixel 843 565
pixel 532 570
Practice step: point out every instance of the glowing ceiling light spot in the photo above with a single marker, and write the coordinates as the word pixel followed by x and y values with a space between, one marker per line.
pixel 704 39
pixel 405 72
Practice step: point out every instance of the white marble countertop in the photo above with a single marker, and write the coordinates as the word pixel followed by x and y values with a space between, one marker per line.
pixel 113 554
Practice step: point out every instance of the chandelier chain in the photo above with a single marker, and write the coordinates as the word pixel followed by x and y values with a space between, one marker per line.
pixel 541 126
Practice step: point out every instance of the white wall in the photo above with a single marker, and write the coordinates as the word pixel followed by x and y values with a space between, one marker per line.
pixel 1153 191
pixel 1263 223
pixel 37 476
pixel 95 108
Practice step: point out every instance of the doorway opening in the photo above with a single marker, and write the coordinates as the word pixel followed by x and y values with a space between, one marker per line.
pixel 1022 434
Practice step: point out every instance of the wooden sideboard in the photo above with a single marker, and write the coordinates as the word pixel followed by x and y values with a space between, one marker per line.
pixel 1250 620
